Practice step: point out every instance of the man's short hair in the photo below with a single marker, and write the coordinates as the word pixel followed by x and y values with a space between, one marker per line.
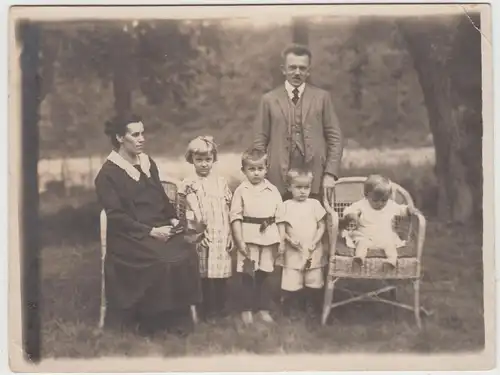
pixel 297 49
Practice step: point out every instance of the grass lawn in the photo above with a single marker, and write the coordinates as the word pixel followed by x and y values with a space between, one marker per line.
pixel 452 289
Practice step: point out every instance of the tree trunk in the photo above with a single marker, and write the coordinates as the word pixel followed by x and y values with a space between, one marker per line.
pixel 300 35
pixel 466 78
pixel 122 68
pixel 28 36
pixel 434 58
pixel 276 61
pixel 50 52
pixel 300 32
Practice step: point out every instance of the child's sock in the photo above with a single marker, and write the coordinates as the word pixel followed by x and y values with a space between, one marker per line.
pixel 207 304
pixel 246 295
pixel 262 296
pixel 314 300
pixel 302 300
pixel 285 302
pixel 220 300
pixel 291 301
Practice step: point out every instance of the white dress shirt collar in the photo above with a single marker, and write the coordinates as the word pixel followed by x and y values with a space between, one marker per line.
pixel 289 89
pixel 265 184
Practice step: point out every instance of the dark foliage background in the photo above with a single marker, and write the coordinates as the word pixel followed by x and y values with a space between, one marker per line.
pixel 192 77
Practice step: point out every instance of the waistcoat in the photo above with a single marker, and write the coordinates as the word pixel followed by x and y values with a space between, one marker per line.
pixel 297 136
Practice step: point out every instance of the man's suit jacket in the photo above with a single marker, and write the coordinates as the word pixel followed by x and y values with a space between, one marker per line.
pixel 322 135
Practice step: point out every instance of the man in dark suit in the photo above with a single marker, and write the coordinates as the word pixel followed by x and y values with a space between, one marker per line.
pixel 297 125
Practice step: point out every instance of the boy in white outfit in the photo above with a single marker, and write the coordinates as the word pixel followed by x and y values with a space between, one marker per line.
pixel 253 221
pixel 301 225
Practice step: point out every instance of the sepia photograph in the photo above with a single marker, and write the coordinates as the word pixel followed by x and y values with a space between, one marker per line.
pixel 308 187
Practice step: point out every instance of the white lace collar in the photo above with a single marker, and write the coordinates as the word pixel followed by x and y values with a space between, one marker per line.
pixel 144 162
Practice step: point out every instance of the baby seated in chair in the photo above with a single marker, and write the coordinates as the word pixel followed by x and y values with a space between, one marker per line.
pixel 373 218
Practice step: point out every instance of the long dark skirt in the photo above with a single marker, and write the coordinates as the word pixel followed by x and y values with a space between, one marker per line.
pixel 161 282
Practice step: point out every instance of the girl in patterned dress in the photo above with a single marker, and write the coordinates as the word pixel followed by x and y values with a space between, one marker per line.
pixel 208 200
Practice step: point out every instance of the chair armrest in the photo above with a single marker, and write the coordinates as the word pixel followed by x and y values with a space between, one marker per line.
pixel 420 234
pixel 333 231
pixel 417 237
pixel 172 189
pixel 171 180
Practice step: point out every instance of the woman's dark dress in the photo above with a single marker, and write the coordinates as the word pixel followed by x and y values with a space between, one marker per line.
pixel 142 273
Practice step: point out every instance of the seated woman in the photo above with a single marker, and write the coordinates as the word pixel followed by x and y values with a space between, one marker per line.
pixel 151 271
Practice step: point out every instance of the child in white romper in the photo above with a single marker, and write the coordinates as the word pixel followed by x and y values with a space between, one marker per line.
pixel 208 200
pixel 301 225
pixel 253 212
pixel 373 217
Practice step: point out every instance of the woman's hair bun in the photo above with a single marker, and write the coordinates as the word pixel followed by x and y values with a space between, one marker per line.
pixel 118 124
pixel 109 128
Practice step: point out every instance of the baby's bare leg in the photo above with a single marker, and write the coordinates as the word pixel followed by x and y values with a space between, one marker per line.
pixel 362 248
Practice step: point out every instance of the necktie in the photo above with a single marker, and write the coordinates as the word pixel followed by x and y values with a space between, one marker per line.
pixel 295 98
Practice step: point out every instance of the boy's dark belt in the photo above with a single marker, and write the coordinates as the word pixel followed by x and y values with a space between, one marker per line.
pixel 263 221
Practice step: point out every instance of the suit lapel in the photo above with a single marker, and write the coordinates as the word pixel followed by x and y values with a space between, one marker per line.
pixel 282 99
pixel 307 98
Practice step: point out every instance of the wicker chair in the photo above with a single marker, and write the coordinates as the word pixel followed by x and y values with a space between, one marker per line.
pixel 171 189
pixel 412 229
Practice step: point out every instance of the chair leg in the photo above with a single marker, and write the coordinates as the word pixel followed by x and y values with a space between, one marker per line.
pixel 416 287
pixel 194 314
pixel 394 297
pixel 102 316
pixel 327 303
pixel 103 223
pixel 102 309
